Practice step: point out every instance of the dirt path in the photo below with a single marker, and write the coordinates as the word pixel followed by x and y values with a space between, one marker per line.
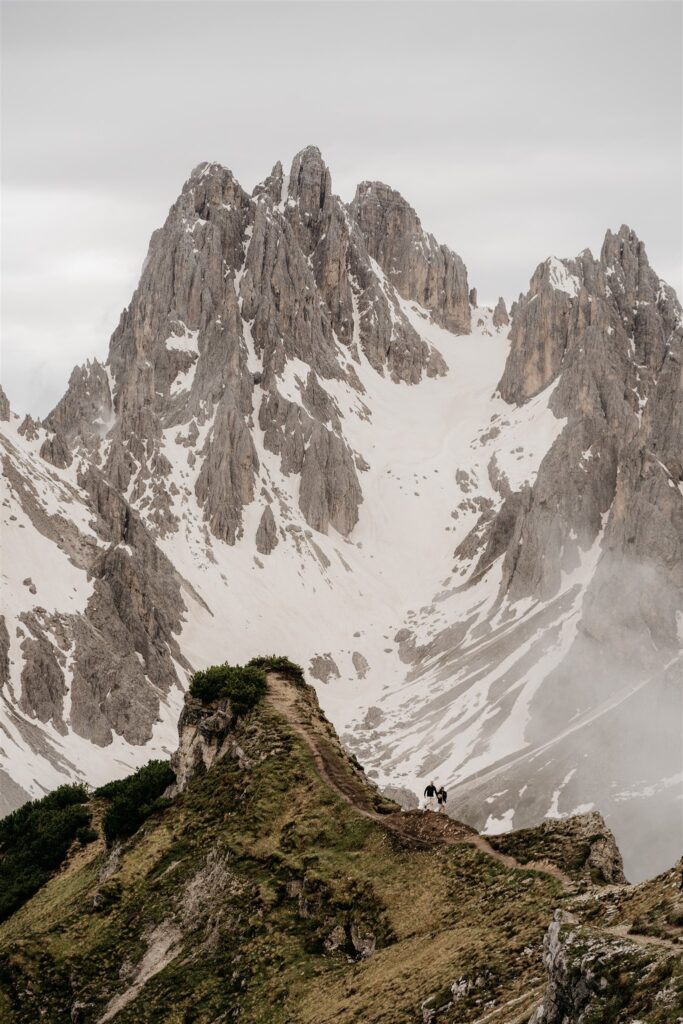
pixel 424 828
pixel 622 931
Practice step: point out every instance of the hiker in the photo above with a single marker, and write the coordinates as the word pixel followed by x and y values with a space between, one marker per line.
pixel 441 798
pixel 430 797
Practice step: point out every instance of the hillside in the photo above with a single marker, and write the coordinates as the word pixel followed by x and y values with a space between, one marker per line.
pixel 278 885
pixel 466 522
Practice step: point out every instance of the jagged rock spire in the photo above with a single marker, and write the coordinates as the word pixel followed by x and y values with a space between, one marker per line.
pixel 310 183
pixel 500 314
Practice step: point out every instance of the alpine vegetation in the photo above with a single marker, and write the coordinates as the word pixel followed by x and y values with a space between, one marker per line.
pixel 273 883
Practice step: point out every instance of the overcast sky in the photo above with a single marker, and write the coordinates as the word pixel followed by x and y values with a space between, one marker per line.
pixel 517 130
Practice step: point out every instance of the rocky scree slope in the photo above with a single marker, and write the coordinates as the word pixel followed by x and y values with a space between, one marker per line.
pixel 308 421
pixel 266 892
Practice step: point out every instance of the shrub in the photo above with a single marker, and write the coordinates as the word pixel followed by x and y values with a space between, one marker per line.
pixel 280 664
pixel 243 686
pixel 35 839
pixel 86 835
pixel 133 799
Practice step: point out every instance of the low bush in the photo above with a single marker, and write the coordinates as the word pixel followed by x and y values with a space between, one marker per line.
pixel 86 835
pixel 280 664
pixel 134 798
pixel 243 686
pixel 35 839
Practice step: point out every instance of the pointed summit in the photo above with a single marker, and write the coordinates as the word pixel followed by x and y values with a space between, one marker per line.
pixel 623 245
pixel 632 280
pixel 419 268
pixel 310 183
pixel 500 313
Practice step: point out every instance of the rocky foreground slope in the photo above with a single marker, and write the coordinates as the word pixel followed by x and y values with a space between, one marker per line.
pixel 468 524
pixel 277 884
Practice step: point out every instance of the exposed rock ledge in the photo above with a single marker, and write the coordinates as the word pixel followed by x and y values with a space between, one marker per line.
pixel 206 734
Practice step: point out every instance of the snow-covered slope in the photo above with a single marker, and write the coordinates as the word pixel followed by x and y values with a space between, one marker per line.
pixel 61 632
pixel 306 440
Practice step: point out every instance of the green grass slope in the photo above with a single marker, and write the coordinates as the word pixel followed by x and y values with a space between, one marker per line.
pixel 278 889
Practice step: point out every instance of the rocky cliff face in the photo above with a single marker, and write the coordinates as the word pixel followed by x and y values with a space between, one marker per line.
pixel 205 734
pixel 237 293
pixel 589 972
pixel 90 651
pixel 466 522
pixel 413 261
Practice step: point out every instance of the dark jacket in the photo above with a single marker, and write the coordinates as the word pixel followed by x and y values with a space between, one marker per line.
pixel 430 790
pixel 442 796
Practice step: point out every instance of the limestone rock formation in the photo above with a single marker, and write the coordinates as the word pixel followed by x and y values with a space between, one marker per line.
pixel 206 734
pixel 500 314
pixel 55 450
pixel 266 536
pixel 414 263
pixel 587 970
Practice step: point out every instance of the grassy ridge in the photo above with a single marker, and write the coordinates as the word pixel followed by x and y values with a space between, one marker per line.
pixel 258 893
pixel 273 883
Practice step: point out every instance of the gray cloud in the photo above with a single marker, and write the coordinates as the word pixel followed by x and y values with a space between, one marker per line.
pixel 516 130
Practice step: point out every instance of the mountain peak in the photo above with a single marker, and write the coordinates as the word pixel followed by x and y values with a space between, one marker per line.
pixel 413 261
pixel 310 183
pixel 625 243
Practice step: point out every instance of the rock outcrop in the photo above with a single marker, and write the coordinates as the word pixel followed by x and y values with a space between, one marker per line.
pixel 206 733
pixel 267 536
pixel 580 845
pixel 55 450
pixel 414 263
pixel 500 314
pixel 589 972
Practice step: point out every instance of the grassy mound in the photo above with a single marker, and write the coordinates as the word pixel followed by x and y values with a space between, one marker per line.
pixel 280 664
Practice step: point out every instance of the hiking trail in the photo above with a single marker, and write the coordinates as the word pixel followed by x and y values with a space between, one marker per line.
pixel 423 828
pixel 426 829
